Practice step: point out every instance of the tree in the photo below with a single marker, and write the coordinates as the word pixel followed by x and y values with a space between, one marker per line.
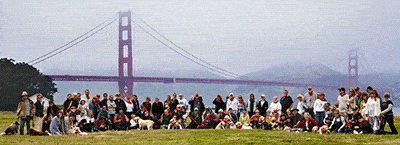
pixel 18 77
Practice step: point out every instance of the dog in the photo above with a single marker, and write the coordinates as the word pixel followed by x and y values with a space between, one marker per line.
pixel 33 132
pixel 315 129
pixel 142 123
pixel 12 129
pixel 323 130
pixel 239 125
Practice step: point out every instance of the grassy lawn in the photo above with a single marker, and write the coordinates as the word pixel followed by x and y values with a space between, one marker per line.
pixel 196 137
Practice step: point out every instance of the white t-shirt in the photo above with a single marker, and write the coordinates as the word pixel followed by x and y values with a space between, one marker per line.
pixel 184 102
pixel 129 107
pixel 232 104
pixel 301 106
pixel 343 103
pixel 276 106
pixel 373 107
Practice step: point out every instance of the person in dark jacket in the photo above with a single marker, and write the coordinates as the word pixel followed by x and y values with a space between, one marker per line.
pixel 219 103
pixel 147 104
pixel 195 118
pixel 104 101
pixel 262 106
pixel 39 112
pixel 68 104
pixel 286 102
pixel 387 115
pixel 157 108
pixel 175 102
pixel 135 101
pixel 232 115
pixel 120 103
pixel 165 118
pixel 209 120
pixel 196 102
pixel 140 113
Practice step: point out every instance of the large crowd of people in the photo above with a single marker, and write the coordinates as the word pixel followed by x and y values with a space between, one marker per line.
pixel 356 112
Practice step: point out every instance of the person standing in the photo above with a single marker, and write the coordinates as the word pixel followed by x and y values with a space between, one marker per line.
pixel 111 110
pixel 147 104
pixel 275 105
pixel 343 99
pixel 219 103
pixel 183 101
pixel 319 108
pixel 251 105
pixel 301 106
pixel 309 99
pixel 262 106
pixel 157 108
pixel 196 102
pixel 120 104
pixel 86 97
pixel 68 103
pixel 94 106
pixel 232 103
pixel 175 102
pixel 25 111
pixel 129 107
pixel 39 112
pixel 241 105
pixel 373 108
pixel 135 101
pixel 286 101
pixel 387 113
pixel 104 101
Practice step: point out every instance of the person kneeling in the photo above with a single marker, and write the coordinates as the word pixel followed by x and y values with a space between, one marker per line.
pixel 308 124
pixel 174 123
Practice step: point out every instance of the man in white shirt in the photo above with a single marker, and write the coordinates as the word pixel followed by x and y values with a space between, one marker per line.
pixel 86 97
pixel 183 101
pixel 232 102
pixel 342 99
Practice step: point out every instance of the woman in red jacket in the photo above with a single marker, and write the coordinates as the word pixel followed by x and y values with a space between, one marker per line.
pixel 307 124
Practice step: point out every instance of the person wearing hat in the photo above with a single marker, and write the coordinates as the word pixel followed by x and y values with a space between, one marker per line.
pixel 220 115
pixel 254 119
pixel 262 106
pixel 120 104
pixel 301 104
pixel 343 99
pixel 25 111
pixel 195 118
pixel 296 117
pixel 309 99
pixel 232 103
pixel 219 103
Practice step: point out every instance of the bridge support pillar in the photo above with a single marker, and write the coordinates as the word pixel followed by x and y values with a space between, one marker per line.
pixel 353 68
pixel 125 59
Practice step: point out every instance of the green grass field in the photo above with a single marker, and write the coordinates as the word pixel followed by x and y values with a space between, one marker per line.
pixel 196 137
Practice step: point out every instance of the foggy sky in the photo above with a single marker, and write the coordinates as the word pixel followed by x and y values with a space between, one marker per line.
pixel 240 36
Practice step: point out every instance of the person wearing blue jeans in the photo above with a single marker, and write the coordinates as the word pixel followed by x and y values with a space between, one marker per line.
pixel 25 111
pixel 319 108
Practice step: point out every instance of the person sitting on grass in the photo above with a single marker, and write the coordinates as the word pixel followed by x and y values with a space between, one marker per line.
pixel 307 124
pixel 121 120
pixel 57 124
pixel 101 124
pixel 195 118
pixel 174 123
pixel 254 120
pixel 133 123
pixel 209 120
pixel 244 118
pixel 165 118
pixel 338 123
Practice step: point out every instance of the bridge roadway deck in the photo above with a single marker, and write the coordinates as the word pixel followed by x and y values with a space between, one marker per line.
pixel 186 80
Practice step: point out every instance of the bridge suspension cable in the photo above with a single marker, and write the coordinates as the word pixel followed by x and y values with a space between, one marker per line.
pixel 191 59
pixel 195 57
pixel 37 60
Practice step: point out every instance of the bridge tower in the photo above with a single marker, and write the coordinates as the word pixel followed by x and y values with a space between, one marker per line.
pixel 125 54
pixel 353 68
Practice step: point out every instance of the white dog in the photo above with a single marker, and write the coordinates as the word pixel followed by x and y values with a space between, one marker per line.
pixel 142 123
pixel 323 130
pixel 241 126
